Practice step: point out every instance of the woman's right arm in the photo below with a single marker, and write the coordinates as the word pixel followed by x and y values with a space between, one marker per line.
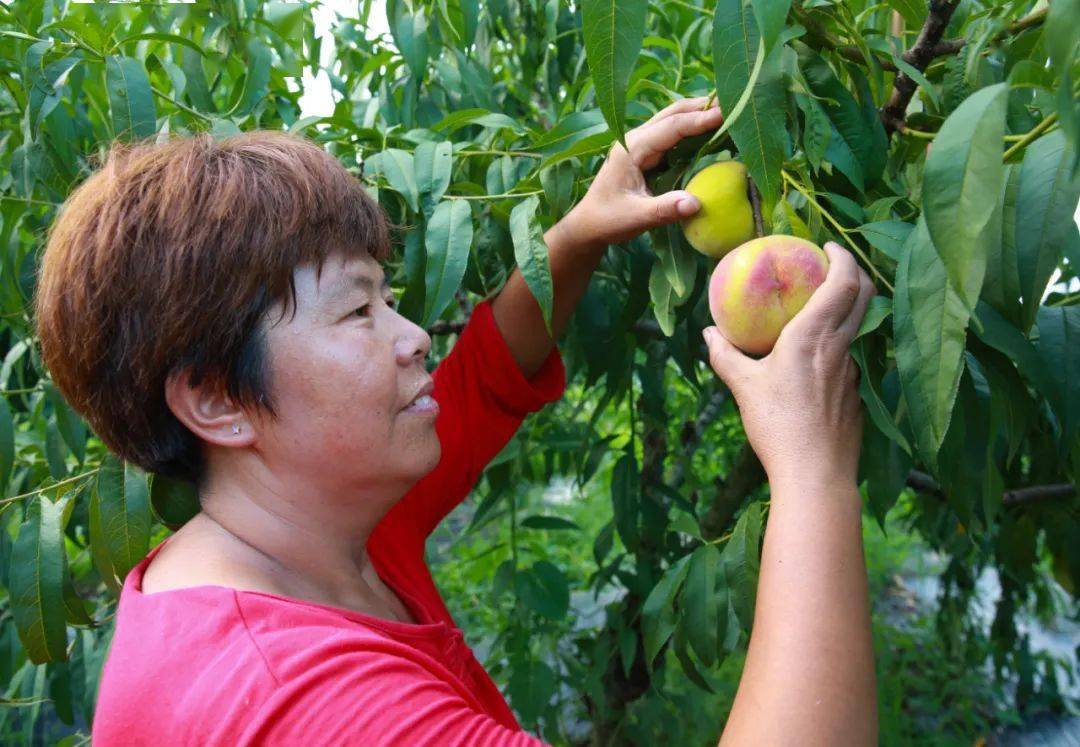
pixel 809 674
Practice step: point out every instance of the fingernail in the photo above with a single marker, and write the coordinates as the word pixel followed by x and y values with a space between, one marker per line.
pixel 687 205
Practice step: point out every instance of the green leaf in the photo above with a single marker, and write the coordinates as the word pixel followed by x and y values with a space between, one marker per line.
pixel 663 298
pixel 398 168
pixel 877 312
pixel 1059 346
pixel 1045 203
pixel 858 137
pixel 682 653
pixel 410 32
pixel 1062 20
pixel 71 426
pixel 700 602
pixel 558 184
pixel 287 18
pixel 173 501
pixel 130 99
pixel 124 503
pixel 758 130
pixel 99 551
pixel 36 577
pixel 999 334
pixel 531 254
pixel 770 15
pixel 414 265
pixel 657 614
pixel 929 325
pixel 197 90
pixel 613 31
pixel 548 522
pixel 817 129
pixel 158 36
pixel 625 499
pixel 433 164
pixel 887 236
pixel 962 182
pixel 544 589
pixel 453 122
pixel 741 559
pixel 678 260
pixel 569 130
pixel 1001 288
pixel 7 443
pixel 448 240
pixel 885 466
pixel 531 686
pixel 256 80
pixel 504 173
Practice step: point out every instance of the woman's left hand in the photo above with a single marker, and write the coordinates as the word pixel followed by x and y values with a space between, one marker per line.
pixel 618 205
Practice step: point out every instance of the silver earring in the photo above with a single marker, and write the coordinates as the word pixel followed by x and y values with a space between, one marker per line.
pixel 235 428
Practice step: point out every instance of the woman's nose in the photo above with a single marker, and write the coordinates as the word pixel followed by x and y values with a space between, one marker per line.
pixel 413 344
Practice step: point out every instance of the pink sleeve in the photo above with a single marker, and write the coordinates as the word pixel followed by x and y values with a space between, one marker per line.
pixel 375 699
pixel 483 396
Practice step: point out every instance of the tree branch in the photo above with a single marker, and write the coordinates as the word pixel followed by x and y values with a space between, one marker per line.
pixel 952 46
pixel 824 38
pixel 745 476
pixel 924 483
pixel 919 56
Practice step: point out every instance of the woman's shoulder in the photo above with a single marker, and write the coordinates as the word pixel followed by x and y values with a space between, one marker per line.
pixel 192 558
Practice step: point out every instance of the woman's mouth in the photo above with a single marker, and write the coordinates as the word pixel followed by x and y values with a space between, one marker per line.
pixel 425 404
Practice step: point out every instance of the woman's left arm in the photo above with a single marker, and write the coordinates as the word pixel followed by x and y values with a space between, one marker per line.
pixel 617 207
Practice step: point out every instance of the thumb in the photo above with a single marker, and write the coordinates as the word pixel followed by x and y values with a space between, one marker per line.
pixel 670 207
pixel 730 363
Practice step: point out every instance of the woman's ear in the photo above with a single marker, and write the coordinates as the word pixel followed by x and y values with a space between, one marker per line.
pixel 207 411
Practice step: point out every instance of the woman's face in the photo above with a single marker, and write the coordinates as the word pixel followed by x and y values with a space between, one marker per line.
pixel 345 375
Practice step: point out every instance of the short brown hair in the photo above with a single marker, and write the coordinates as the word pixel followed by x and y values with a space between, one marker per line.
pixel 168 257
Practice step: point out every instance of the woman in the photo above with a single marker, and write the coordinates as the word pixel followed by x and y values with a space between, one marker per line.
pixel 218 312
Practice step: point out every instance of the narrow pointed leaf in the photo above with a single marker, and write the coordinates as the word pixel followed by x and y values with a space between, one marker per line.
pixel 929 325
pixel 448 240
pixel 962 184
pixel 37 582
pixel 1045 204
pixel 531 254
pixel 613 30
pixel 130 98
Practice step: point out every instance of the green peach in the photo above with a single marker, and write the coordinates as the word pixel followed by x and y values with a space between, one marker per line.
pixel 726 218
pixel 758 287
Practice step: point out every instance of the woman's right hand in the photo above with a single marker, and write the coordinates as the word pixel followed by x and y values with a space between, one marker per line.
pixel 800 404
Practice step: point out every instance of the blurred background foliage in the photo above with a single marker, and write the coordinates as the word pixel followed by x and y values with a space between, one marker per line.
pixel 476 125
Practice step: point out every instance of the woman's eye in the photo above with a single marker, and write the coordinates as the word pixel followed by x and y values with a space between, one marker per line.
pixel 392 303
pixel 363 310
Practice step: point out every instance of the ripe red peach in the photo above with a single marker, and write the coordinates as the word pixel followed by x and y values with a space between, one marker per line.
pixel 759 286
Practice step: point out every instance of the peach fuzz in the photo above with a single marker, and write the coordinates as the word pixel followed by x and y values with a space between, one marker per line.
pixel 758 287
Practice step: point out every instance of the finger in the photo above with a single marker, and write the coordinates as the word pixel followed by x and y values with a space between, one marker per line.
pixel 850 326
pixel 831 303
pixel 729 363
pixel 667 208
pixel 852 372
pixel 682 105
pixel 653 140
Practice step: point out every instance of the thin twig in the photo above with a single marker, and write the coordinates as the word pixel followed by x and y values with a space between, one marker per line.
pixel 14 498
pixel 503 196
pixel 836 224
pixel 1036 132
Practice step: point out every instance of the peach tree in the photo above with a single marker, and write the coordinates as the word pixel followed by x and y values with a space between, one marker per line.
pixel 935 140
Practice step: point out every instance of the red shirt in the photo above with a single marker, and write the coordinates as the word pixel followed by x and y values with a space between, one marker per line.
pixel 216 665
